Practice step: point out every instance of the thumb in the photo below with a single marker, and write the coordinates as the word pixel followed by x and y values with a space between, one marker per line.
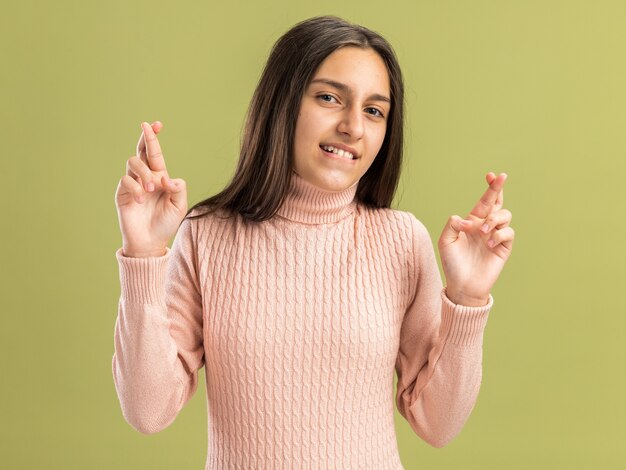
pixel 451 231
pixel 177 188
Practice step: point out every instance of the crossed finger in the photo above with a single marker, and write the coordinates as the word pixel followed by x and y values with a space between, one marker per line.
pixel 149 149
pixel 500 201
pixel 489 199
pixel 141 144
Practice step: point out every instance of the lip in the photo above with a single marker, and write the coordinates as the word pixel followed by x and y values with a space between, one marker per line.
pixel 343 147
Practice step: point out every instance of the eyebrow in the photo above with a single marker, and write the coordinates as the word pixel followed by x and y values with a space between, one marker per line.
pixel 346 89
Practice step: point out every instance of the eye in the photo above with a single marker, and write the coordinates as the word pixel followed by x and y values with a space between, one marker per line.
pixel 376 110
pixel 326 95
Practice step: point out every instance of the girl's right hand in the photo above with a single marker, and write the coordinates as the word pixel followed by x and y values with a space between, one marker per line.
pixel 149 216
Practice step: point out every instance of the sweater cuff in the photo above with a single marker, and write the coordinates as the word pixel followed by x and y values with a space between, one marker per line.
pixel 465 325
pixel 142 280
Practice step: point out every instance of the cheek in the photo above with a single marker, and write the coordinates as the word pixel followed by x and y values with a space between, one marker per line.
pixel 378 137
pixel 307 129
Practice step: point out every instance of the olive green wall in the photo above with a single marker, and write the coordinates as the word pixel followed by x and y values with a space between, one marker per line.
pixel 532 88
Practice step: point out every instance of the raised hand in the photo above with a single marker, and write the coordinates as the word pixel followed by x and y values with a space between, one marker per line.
pixel 474 250
pixel 150 206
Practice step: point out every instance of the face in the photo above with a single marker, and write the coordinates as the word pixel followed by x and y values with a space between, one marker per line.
pixel 344 109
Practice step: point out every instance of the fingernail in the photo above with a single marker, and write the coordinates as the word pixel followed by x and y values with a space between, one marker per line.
pixel 491 243
pixel 150 187
pixel 485 228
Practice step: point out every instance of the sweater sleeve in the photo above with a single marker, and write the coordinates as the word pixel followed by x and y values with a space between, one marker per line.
pixel 439 362
pixel 158 346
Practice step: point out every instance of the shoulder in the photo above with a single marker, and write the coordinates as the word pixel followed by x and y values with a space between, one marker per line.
pixel 200 218
pixel 404 223
pixel 218 224
pixel 200 225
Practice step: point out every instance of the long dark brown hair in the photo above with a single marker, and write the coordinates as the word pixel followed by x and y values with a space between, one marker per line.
pixel 263 173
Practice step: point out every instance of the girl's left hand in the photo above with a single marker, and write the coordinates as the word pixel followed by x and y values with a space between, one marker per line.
pixel 474 250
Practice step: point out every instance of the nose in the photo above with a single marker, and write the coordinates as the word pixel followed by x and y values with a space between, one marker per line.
pixel 351 123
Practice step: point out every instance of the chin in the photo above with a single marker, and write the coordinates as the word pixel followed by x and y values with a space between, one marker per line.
pixel 333 184
pixel 327 179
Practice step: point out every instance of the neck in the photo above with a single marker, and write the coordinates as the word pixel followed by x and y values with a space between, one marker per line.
pixel 309 204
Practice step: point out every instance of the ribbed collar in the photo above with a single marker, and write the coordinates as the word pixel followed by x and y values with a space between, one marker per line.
pixel 309 204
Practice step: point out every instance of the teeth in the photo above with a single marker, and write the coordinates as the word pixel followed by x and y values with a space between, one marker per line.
pixel 341 153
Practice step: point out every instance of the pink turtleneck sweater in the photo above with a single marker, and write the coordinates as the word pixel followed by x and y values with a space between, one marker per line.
pixel 299 322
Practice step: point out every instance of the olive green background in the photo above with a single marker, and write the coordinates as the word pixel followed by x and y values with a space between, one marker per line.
pixel 533 88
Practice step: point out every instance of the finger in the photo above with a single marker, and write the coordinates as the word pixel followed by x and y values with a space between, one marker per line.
pixel 500 201
pixel 140 172
pixel 489 198
pixel 141 144
pixel 156 162
pixel 132 187
pixel 451 231
pixel 178 191
pixel 497 219
pixel 502 237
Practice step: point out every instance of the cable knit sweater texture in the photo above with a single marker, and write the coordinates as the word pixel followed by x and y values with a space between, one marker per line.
pixel 299 322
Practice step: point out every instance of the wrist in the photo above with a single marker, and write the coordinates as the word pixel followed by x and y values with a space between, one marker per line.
pixel 130 253
pixel 459 297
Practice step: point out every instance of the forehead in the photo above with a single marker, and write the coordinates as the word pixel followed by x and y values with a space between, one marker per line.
pixel 363 70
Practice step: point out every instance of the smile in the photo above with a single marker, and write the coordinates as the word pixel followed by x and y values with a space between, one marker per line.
pixel 345 155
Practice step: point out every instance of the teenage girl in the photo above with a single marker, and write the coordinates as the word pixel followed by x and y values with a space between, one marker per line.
pixel 297 287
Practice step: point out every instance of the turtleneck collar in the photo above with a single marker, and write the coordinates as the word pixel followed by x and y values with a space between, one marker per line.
pixel 309 204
